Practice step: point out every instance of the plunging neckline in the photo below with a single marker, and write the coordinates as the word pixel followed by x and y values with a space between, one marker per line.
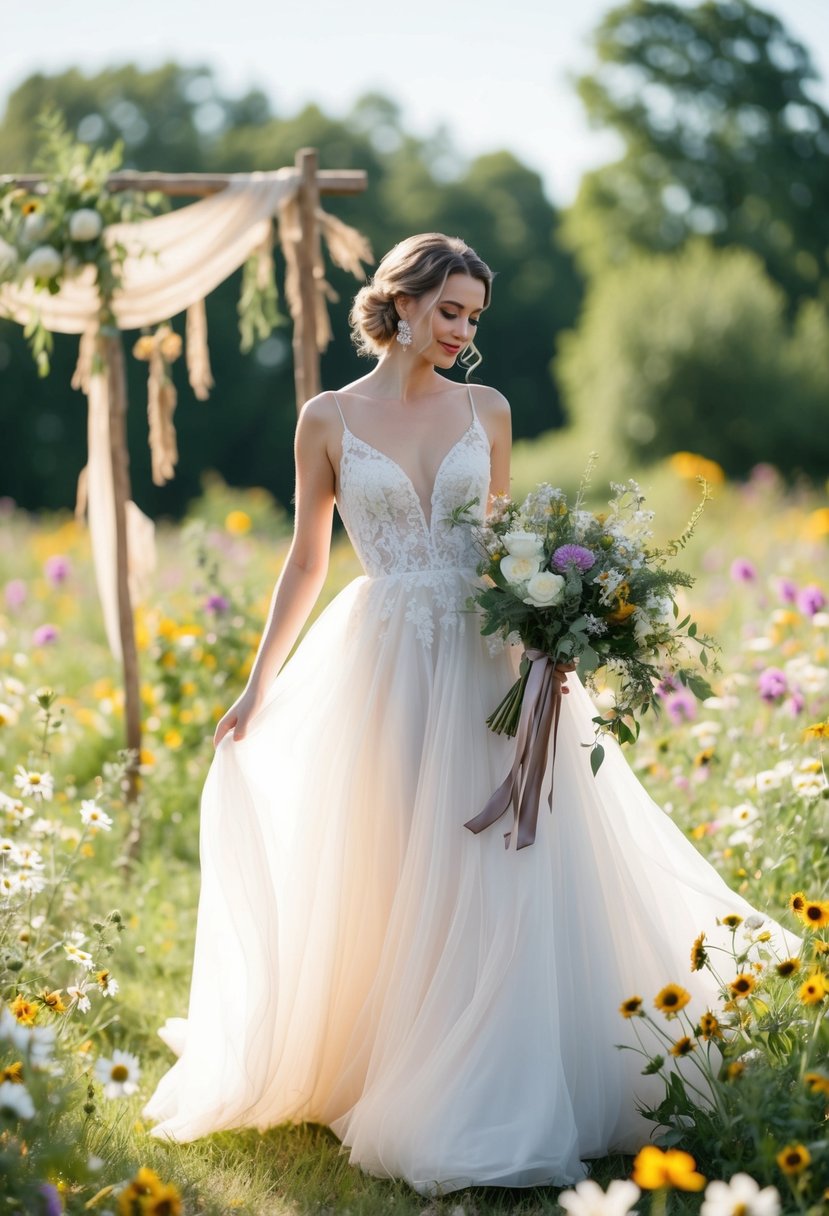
pixel 397 465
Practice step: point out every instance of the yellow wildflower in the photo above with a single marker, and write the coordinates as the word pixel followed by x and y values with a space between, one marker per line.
pixel 670 999
pixel 794 1158
pixel 813 990
pixel 788 966
pixel 742 985
pixel 25 1011
pixel 699 955
pixel 683 1046
pixel 816 913
pixel 653 1170
pixel 818 1082
pixel 632 1007
pixel 52 1000
pixel 238 523
pixel 709 1026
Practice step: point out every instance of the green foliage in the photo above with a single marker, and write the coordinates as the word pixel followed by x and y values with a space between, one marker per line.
pixel 721 136
pixel 694 352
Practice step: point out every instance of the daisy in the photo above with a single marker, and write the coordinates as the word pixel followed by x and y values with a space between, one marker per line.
pixel 93 816
pixel 81 957
pixel 741 1196
pixel 78 997
pixel 588 1198
pixel 119 1076
pixel 15 1100
pixel 33 784
pixel 106 983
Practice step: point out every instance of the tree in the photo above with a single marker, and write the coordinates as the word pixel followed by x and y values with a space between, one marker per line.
pixel 721 136
pixel 694 352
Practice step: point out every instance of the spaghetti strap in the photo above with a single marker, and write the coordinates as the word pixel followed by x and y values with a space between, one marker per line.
pixel 472 403
pixel 336 400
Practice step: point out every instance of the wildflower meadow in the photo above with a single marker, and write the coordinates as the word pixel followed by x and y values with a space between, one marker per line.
pixel 98 894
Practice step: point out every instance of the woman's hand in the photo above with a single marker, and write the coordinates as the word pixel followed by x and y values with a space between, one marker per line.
pixel 239 717
pixel 560 676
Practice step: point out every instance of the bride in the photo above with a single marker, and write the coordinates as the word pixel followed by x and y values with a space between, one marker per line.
pixel 362 960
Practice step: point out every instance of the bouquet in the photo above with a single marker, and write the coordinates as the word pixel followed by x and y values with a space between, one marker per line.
pixel 571 585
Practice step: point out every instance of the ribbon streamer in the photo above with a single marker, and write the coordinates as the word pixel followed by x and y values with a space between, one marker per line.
pixel 537 727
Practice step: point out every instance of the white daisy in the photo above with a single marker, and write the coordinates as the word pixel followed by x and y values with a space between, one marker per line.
pixel 9 886
pixel 36 1042
pixel 588 1198
pixel 740 1197
pixel 43 827
pixel 119 1075
pixel 7 846
pixel 77 994
pixel 108 985
pixel 34 784
pixel 25 855
pixel 76 955
pixel 16 1101
pixel 8 716
pixel 809 785
pixel 93 816
pixel 30 880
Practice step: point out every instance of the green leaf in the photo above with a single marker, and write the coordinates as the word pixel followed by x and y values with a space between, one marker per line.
pixel 596 758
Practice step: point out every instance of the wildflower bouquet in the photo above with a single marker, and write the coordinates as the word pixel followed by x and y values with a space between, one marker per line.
pixel 572 585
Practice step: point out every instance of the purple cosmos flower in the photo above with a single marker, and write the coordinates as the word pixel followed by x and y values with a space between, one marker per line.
pixel 16 593
pixel 44 634
pixel 787 590
pixel 743 571
pixel 811 600
pixel 52 1204
pixel 796 703
pixel 772 684
pixel 572 557
pixel 680 706
pixel 58 569
pixel 216 604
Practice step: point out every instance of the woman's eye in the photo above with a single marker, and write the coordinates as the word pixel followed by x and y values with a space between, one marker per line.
pixel 452 316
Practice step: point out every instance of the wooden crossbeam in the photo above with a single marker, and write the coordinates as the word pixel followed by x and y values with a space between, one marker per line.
pixel 329 181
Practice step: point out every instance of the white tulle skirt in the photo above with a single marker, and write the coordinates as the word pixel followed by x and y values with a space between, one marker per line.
pixel 362 960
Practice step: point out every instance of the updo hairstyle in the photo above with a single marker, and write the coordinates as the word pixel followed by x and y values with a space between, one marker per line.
pixel 414 267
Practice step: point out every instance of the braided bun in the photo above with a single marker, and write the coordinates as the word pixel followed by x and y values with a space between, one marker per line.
pixel 373 320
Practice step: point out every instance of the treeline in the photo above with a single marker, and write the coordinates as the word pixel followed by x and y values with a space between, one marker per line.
pixel 680 302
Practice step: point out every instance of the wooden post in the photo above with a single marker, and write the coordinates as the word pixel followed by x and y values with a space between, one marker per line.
pixel 119 455
pixel 306 353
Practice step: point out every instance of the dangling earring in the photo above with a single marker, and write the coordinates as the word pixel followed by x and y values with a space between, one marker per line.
pixel 404 332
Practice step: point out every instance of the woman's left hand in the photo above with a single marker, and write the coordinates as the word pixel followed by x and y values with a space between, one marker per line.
pixel 560 676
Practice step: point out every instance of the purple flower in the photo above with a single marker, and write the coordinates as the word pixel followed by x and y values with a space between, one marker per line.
pixel 16 593
pixel 216 604
pixel 787 590
pixel 743 571
pixel 666 685
pixel 52 1203
pixel 569 557
pixel 796 703
pixel 58 569
pixel 44 634
pixel 772 684
pixel 680 706
pixel 811 600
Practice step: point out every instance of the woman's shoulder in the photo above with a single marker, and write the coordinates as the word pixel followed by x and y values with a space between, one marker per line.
pixel 492 401
pixel 319 412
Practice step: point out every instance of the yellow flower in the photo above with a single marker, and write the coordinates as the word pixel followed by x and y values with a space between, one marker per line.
pixel 817 524
pixel 689 466
pixel 173 738
pixel 709 1027
pixel 683 1046
pixel 238 523
pixel 653 1170
pixel 735 1069
pixel 797 902
pixel 794 1158
pixel 813 990
pixel 818 1082
pixel 818 730
pixel 819 946
pixel 31 205
pixel 632 1007
pixel 52 999
pixel 699 955
pixel 788 966
pixel 816 913
pixel 732 921
pixel 742 985
pixel 671 999
pixel 13 1073
pixel 147 1195
pixel 25 1011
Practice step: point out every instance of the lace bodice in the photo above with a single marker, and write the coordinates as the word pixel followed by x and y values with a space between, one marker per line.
pixel 384 516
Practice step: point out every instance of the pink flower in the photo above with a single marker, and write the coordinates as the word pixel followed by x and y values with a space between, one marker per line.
pixel 795 703
pixel 16 593
pixel 811 600
pixel 772 684
pixel 45 634
pixel 743 571
pixel 787 590
pixel 57 569
pixel 217 604
pixel 681 706
pixel 572 557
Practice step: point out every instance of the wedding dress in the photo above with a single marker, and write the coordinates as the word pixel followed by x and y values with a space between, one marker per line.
pixel 447 1006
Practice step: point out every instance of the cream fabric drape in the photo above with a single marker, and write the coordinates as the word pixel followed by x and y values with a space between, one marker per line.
pixel 173 262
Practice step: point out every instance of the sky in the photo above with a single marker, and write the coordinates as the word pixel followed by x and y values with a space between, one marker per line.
pixel 496 73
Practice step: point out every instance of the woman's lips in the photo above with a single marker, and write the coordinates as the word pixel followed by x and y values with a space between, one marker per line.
pixel 453 350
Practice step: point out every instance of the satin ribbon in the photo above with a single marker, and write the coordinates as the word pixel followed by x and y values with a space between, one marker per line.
pixel 537 728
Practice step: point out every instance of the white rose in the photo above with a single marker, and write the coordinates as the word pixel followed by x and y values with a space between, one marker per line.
pixel 8 259
pixel 43 262
pixel 35 226
pixel 518 569
pixel 85 225
pixel 544 589
pixel 642 626
pixel 523 544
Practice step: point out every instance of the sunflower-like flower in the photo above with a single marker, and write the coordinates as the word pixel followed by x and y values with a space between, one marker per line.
pixel 654 1170
pixel 818 1083
pixel 794 1158
pixel 25 1011
pixel 53 1000
pixel 632 1007
pixel 813 989
pixel 742 985
pixel 732 920
pixel 670 999
pixel 148 1195
pixel 816 913
pixel 683 1046
pixel 788 966
pixel 797 902
pixel 699 955
pixel 735 1070
pixel 820 947
pixel 709 1026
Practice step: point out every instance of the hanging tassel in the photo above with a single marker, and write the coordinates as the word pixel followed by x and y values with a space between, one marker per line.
pixel 197 351
pixel 160 350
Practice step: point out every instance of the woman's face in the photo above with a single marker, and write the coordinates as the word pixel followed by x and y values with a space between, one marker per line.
pixel 454 319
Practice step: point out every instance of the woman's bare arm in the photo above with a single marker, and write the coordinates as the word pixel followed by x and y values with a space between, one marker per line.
pixel 305 568
pixel 498 423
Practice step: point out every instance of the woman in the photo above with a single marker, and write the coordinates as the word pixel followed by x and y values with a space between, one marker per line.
pixel 446 1006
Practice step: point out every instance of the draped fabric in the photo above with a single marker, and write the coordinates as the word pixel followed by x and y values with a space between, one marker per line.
pixel 173 261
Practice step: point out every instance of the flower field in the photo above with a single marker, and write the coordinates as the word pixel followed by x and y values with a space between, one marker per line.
pixel 98 897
